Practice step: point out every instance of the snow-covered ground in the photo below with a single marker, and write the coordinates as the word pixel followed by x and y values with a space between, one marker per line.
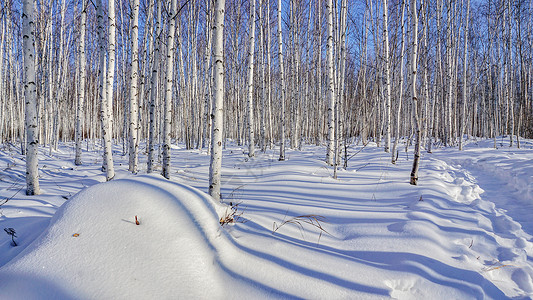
pixel 465 232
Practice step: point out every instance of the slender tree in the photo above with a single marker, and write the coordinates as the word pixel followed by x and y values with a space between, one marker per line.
pixel 331 86
pixel 387 67
pixel 283 91
pixel 167 110
pixel 134 91
pixel 251 140
pixel 81 85
pixel 153 90
pixel 218 105
pixel 465 69
pixel 416 106
pixel 400 86
pixel 30 95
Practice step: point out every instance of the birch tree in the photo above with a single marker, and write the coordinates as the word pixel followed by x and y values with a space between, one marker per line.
pixel 30 95
pixel 400 86
pixel 108 112
pixel 283 91
pixel 103 91
pixel 81 85
pixel 134 96
pixel 167 110
pixel 331 87
pixel 251 140
pixel 465 69
pixel 416 106
pixel 153 89
pixel 218 103
pixel 387 77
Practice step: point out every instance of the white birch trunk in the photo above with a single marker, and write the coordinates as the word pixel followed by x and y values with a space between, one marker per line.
pixel 331 87
pixel 269 78
pixel 153 90
pixel 108 108
pixel 283 92
pixel 465 69
pixel 387 77
pixel 449 69
pixel 59 80
pixel 208 79
pixel 167 111
pixel 30 95
pixel 263 79
pixel 251 140
pixel 218 105
pixel 134 91
pixel 416 108
pixel 102 89
pixel 81 85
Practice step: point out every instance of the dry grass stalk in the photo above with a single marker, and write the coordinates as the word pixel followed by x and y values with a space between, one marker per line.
pixel 299 221
pixel 232 215
pixel 495 266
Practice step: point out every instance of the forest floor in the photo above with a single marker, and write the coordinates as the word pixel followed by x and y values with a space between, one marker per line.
pixel 465 232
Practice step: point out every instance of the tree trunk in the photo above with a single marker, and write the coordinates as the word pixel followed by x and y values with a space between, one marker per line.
pixel 81 85
pixel 30 95
pixel 104 90
pixel 283 91
pixel 153 90
pixel 251 140
pixel 416 106
pixel 218 105
pixel 167 110
pixel 331 86
pixel 134 91
pixel 387 78
pixel 400 93
pixel 465 69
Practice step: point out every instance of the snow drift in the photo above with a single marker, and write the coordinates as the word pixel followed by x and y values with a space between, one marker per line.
pixel 94 249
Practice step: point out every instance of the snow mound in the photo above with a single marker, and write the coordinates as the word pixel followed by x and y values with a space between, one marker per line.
pixel 93 248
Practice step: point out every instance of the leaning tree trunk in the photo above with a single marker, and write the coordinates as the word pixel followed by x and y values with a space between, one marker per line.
pixel 218 105
pixel 134 91
pixel 416 108
pixel 167 111
pixel 81 85
pixel 30 95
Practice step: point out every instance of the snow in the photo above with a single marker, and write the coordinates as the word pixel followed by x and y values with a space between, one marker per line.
pixel 465 232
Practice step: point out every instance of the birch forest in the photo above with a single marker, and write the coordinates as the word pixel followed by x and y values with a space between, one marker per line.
pixel 149 74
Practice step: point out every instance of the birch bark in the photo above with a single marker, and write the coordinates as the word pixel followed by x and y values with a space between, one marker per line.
pixel 81 84
pixel 134 91
pixel 416 106
pixel 218 105
pixel 283 91
pixel 465 69
pixel 331 87
pixel 30 95
pixel 167 110
pixel 251 140
pixel 387 78
pixel 153 90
